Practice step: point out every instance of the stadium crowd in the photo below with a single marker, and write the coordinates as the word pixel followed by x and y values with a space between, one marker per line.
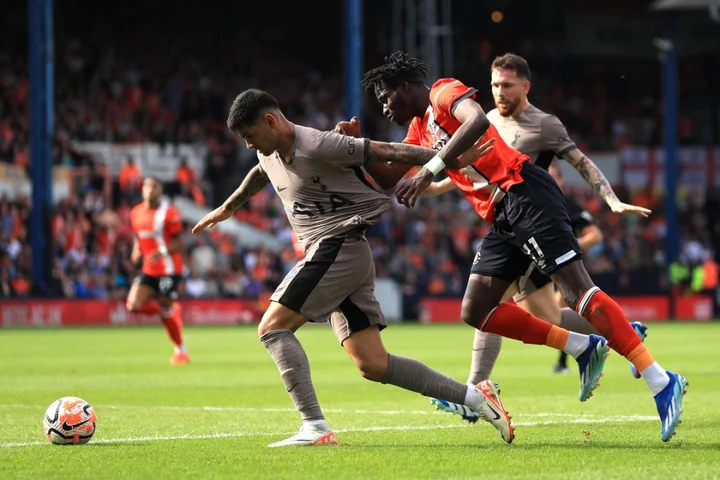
pixel 135 94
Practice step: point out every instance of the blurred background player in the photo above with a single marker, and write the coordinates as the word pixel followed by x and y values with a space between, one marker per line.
pixel 157 227
pixel 542 137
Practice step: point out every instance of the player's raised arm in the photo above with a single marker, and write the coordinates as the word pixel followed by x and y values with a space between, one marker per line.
pixel 409 190
pixel 387 152
pixel 385 175
pixel 555 135
pixel 388 175
pixel 255 181
pixel 352 151
pixel 448 98
pixel 473 126
pixel 600 185
pixel 459 152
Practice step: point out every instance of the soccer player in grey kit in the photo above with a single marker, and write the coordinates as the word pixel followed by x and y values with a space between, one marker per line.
pixel 329 204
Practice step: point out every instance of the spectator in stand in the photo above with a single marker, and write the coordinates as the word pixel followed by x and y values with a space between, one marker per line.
pixel 118 93
pixel 189 182
pixel 195 285
pixel 130 180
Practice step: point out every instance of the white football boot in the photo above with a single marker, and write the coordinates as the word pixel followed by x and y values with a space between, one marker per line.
pixel 486 405
pixel 310 435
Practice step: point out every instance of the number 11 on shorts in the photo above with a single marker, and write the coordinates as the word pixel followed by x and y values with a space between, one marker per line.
pixel 535 252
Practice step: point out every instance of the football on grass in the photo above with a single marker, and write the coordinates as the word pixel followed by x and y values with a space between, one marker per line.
pixel 69 421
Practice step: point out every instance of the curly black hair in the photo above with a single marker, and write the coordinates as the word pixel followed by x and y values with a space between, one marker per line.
pixel 398 68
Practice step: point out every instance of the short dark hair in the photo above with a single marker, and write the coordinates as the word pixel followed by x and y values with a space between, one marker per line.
pixel 513 62
pixel 399 68
pixel 248 106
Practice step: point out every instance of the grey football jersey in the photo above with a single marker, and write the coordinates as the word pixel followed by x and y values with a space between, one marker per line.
pixel 322 186
pixel 537 134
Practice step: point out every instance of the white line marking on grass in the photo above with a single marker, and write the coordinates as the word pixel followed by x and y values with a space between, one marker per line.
pixel 157 439
pixel 634 418
pixel 429 411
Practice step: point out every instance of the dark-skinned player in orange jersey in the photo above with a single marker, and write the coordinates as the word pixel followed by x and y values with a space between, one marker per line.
pixel 529 224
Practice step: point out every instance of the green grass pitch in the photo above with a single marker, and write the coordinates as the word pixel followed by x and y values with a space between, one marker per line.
pixel 214 417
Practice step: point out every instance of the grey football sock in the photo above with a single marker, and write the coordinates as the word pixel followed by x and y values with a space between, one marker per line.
pixel 573 321
pixel 486 348
pixel 415 376
pixel 290 358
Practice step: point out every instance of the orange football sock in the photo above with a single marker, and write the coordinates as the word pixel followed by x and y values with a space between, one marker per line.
pixel 557 338
pixel 641 358
pixel 511 321
pixel 172 320
pixel 610 321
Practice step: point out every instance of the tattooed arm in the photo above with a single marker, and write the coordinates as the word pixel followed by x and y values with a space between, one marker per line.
pixel 592 175
pixel 556 139
pixel 386 176
pixel 405 153
pixel 255 181
pixel 350 149
pixel 600 185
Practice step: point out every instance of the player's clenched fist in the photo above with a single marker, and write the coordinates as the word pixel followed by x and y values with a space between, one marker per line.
pixel 351 128
pixel 218 215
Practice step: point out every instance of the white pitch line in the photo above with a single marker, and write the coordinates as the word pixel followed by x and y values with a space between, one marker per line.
pixel 344 430
pixel 429 411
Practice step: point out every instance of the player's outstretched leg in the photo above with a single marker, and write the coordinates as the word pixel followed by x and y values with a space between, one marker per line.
pixel 513 322
pixel 374 362
pixel 538 296
pixel 573 321
pixel 486 348
pixel 589 351
pixel 276 331
pixel 607 317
